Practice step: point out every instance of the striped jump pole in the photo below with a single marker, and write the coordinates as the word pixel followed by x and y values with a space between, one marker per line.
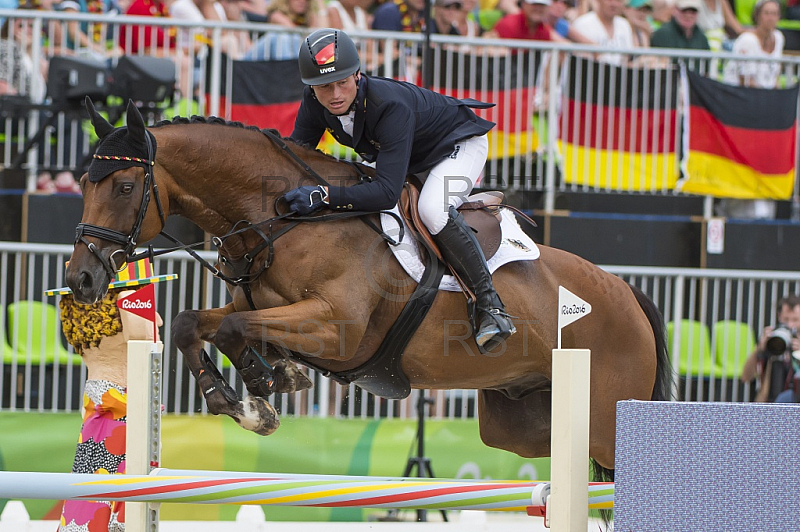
pixel 285 490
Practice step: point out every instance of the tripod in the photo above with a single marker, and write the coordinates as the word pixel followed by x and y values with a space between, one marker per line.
pixel 420 461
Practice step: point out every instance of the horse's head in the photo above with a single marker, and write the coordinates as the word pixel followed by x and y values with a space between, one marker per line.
pixel 116 193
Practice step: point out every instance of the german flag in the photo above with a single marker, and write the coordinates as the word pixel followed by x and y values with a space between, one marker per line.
pixel 741 141
pixel 618 127
pixel 266 93
pixel 512 89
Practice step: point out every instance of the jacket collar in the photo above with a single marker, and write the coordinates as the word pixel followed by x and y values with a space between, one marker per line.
pixel 361 109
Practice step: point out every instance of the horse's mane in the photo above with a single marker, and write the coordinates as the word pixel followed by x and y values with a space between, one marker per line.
pixel 229 123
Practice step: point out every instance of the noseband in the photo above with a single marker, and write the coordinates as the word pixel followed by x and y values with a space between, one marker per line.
pixel 128 242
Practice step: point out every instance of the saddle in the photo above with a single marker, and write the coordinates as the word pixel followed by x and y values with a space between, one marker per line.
pixel 481 212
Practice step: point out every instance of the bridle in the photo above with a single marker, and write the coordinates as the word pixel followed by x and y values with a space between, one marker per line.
pixel 128 242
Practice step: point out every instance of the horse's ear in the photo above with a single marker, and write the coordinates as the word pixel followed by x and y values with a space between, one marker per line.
pixel 101 126
pixel 135 122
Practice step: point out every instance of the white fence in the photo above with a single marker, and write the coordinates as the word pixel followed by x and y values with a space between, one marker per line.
pixel 36 377
pixel 529 88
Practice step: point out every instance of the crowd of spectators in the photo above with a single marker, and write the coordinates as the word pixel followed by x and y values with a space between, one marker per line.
pixel 624 25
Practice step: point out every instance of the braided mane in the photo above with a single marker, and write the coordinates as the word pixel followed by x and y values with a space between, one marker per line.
pixel 229 123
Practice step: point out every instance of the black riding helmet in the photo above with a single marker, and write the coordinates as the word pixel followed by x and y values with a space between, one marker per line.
pixel 327 55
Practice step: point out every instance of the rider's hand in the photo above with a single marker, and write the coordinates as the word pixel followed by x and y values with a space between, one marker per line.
pixel 307 199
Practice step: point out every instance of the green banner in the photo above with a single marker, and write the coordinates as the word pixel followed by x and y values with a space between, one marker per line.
pixel 46 442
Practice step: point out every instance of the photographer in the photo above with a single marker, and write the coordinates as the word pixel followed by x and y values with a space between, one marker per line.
pixel 772 358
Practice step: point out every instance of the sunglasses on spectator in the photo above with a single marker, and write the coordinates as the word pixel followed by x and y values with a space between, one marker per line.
pixel 568 3
pixel 689 10
pixel 454 6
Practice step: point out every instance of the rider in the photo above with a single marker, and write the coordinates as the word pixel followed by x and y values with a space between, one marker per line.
pixel 403 129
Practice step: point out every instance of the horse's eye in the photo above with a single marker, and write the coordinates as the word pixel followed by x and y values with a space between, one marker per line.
pixel 127 188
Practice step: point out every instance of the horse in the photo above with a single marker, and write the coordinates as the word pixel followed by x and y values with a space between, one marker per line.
pixel 327 293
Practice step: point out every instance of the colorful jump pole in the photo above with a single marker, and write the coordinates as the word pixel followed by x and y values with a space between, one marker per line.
pixel 284 490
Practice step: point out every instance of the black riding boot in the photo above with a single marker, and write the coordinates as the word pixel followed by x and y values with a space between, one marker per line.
pixel 460 249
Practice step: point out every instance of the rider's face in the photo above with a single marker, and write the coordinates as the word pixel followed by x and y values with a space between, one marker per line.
pixel 337 97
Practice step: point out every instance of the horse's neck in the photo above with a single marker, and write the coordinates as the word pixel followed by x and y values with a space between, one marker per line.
pixel 208 180
pixel 239 176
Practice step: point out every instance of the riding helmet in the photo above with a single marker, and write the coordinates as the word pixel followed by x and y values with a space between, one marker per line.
pixel 327 55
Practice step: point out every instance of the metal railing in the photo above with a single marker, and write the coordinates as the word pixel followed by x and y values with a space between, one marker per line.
pixel 30 383
pixel 531 81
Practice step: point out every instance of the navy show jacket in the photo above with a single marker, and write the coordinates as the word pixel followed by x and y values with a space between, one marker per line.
pixel 403 128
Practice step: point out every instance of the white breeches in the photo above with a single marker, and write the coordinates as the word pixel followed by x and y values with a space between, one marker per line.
pixel 451 181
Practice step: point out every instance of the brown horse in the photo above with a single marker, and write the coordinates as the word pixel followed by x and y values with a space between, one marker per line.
pixel 330 295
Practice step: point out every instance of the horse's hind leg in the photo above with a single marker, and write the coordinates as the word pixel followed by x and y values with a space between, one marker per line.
pixel 521 426
pixel 189 329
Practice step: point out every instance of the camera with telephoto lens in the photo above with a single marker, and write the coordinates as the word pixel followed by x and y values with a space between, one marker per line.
pixel 780 339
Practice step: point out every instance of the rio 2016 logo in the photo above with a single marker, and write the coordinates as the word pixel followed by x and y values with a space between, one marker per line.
pixel 128 304
pixel 573 309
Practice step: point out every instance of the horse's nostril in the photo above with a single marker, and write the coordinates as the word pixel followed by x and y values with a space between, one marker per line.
pixel 84 281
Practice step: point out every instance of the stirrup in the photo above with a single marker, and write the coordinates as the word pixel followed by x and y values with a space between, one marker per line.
pixel 501 334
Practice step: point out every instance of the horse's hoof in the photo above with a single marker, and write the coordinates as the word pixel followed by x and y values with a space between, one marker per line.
pixel 289 378
pixel 257 415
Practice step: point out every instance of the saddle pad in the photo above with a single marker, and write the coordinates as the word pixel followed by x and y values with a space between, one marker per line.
pixel 515 245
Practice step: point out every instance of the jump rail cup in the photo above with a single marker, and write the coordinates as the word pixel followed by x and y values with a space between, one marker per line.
pixel 143 430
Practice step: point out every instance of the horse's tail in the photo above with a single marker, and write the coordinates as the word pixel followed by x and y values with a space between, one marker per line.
pixel 662 389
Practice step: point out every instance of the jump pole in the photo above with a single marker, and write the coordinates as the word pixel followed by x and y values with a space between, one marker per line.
pixel 143 429
pixel 566 508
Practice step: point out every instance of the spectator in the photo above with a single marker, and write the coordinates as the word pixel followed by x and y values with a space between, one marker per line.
pixel 681 31
pixel 713 17
pixel 89 38
pixel 450 18
pixel 347 15
pixel 662 13
pixel 200 11
pixel 775 369
pixel 254 10
pixel 764 41
pixel 607 28
pixel 280 46
pixel 637 12
pixel 556 18
pixel 20 73
pixel 400 15
pixel 530 23
pixel 7 4
pixel 140 39
pixel 296 13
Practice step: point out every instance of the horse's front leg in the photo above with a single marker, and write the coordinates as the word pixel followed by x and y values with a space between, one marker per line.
pixel 310 327
pixel 190 329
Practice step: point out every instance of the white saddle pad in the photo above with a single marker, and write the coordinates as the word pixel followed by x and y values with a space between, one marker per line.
pixel 515 245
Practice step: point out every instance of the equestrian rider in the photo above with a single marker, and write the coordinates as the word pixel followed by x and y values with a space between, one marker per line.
pixel 403 129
